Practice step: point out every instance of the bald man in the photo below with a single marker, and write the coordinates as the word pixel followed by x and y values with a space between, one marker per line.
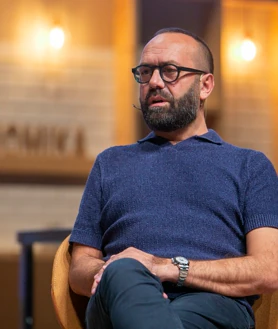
pixel 178 230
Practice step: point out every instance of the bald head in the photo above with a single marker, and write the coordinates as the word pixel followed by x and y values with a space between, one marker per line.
pixel 202 55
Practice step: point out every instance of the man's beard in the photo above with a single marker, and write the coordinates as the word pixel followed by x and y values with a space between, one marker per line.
pixel 178 114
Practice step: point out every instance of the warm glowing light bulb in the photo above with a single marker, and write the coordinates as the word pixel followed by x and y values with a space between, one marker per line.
pixel 248 50
pixel 57 38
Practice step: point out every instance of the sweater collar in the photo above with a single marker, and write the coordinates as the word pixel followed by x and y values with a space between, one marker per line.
pixel 210 136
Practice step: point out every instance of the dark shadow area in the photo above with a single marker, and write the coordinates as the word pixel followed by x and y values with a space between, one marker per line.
pixel 188 14
pixel 44 316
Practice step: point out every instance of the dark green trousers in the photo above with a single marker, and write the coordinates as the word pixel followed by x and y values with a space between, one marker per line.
pixel 130 297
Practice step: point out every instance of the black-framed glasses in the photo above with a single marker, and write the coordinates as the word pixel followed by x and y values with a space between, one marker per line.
pixel 168 72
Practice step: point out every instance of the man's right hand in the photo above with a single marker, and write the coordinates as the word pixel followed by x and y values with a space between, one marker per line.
pixel 148 260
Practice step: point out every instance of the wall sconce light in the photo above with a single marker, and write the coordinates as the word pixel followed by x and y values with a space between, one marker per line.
pixel 248 50
pixel 56 37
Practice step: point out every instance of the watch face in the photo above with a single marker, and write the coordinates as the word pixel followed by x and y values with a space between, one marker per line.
pixel 181 260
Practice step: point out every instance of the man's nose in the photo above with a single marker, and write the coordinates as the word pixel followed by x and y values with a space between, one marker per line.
pixel 156 80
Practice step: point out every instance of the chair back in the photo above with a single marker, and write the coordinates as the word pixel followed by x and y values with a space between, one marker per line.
pixel 69 307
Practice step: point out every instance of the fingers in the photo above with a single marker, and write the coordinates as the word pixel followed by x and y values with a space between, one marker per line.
pixel 165 295
pixel 97 279
pixel 98 276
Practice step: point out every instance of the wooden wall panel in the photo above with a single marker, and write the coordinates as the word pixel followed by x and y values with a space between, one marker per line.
pixel 247 107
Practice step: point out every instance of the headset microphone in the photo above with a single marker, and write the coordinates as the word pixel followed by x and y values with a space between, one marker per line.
pixel 137 108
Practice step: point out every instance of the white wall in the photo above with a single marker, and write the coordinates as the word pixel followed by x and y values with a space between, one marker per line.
pixel 31 207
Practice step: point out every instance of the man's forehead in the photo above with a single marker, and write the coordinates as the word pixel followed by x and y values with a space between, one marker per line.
pixel 159 52
pixel 171 45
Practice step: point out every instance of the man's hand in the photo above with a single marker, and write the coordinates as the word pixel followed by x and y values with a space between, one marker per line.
pixel 146 259
pixel 97 279
pixel 149 261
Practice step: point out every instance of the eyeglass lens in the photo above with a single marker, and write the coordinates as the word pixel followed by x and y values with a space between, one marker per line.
pixel 144 73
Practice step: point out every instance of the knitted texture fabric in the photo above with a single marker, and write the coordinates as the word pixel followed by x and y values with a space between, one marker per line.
pixel 198 198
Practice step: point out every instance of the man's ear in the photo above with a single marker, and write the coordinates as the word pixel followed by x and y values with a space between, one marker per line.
pixel 206 85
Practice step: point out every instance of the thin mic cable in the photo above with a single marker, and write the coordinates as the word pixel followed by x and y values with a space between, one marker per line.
pixel 137 108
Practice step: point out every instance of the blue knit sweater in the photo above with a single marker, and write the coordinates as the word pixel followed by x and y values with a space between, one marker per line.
pixel 198 198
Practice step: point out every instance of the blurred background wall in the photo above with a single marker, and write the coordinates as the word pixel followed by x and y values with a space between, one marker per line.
pixel 66 93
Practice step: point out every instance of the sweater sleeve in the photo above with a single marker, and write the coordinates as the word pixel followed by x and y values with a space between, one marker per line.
pixel 87 229
pixel 261 199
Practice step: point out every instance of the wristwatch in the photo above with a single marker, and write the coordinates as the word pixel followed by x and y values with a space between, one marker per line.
pixel 183 265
